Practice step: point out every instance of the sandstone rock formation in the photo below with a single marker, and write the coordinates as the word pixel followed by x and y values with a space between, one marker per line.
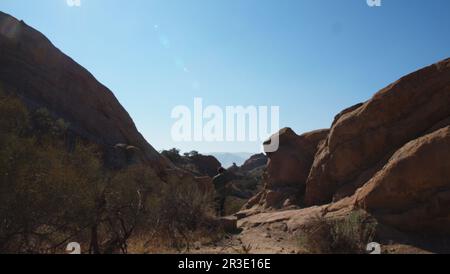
pixel 363 138
pixel 43 76
pixel 388 157
pixel 288 169
pixel 412 191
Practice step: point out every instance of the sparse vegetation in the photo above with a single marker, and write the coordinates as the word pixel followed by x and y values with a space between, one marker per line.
pixel 53 193
pixel 233 204
pixel 180 213
pixel 172 154
pixel 243 249
pixel 349 235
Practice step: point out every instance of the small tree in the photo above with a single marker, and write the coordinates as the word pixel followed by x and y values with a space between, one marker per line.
pixel 172 154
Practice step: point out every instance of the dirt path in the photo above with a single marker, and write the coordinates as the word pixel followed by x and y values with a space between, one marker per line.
pixel 275 233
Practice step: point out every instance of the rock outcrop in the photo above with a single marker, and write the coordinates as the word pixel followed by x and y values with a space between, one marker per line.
pixel 287 169
pixel 205 164
pixel 363 138
pixel 412 191
pixel 388 156
pixel 193 162
pixel 289 166
pixel 43 76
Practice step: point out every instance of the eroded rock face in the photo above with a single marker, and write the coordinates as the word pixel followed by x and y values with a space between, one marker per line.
pixel 363 138
pixel 43 76
pixel 389 156
pixel 412 191
pixel 290 164
pixel 288 169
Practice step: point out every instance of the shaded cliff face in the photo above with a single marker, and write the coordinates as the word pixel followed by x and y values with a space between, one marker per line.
pixel 43 76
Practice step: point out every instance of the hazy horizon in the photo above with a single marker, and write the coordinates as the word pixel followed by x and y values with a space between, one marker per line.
pixel 311 58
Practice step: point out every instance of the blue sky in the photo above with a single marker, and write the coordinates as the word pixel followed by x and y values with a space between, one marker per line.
pixel 312 58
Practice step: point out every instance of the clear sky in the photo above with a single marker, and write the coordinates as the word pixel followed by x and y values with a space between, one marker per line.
pixel 312 58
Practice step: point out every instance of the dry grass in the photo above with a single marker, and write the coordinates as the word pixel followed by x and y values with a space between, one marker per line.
pixel 343 236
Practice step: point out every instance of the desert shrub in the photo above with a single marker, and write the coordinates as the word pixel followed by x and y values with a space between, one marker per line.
pixel 349 235
pixel 177 211
pixel 46 198
pixel 173 155
pixel 50 196
pixel 233 205
pixel 14 115
pixel 44 124
pixel 137 203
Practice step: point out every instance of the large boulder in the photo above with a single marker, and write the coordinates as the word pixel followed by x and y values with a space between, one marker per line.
pixel 288 169
pixel 289 166
pixel 412 191
pixel 43 76
pixel 363 138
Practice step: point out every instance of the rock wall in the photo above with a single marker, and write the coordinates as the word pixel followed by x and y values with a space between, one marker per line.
pixel 287 169
pixel 389 156
pixel 43 76
pixel 412 191
pixel 363 139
